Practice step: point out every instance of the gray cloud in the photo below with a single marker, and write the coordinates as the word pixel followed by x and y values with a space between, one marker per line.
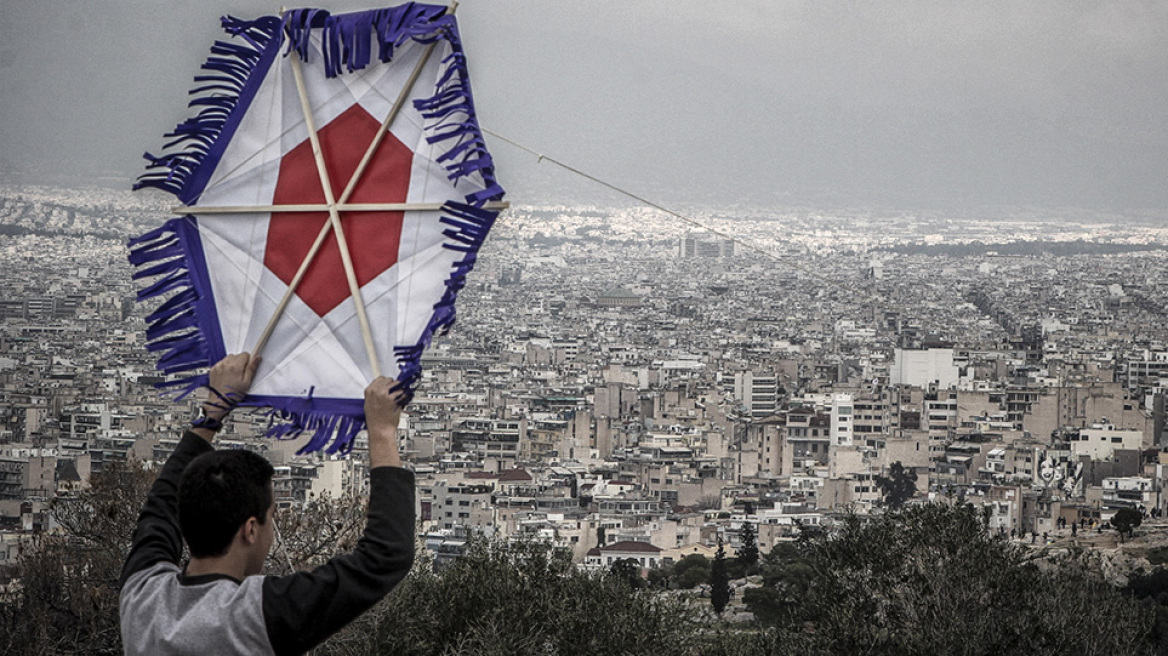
pixel 905 103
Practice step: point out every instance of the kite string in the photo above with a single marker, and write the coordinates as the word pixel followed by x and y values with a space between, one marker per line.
pixel 876 298
pixel 697 224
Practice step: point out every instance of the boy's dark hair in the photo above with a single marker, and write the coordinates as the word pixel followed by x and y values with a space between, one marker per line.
pixel 219 491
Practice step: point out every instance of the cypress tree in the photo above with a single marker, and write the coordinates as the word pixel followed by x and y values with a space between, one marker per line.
pixel 748 553
pixel 719 580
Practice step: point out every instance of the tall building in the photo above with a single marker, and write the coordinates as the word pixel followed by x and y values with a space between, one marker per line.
pixel 759 394
pixel 701 245
pixel 842 414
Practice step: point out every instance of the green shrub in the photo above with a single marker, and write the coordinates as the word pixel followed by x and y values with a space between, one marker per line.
pixel 518 599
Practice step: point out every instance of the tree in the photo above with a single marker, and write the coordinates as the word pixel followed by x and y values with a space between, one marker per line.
pixel 1126 520
pixel 899 486
pixel 627 570
pixel 748 552
pixel 68 581
pixel 660 577
pixel 691 571
pixel 933 579
pixel 786 576
pixel 719 580
pixel 315 531
pixel 521 598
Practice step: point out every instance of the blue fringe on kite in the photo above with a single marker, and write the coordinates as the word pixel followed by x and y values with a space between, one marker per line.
pixel 230 66
pixel 470 225
pixel 172 328
pixel 294 417
pixel 345 37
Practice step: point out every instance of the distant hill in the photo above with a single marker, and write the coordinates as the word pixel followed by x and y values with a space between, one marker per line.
pixel 1016 248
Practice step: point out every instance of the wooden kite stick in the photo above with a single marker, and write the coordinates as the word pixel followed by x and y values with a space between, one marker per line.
pixel 307 261
pixel 341 207
pixel 384 130
pixel 355 291
pixel 393 112
pixel 283 304
pixel 335 220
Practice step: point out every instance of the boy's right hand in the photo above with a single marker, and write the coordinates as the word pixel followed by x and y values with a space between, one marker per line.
pixel 382 414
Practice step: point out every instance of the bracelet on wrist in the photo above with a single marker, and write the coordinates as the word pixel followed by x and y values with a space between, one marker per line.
pixel 203 420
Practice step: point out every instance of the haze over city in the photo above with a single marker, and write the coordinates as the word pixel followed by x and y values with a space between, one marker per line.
pixel 906 104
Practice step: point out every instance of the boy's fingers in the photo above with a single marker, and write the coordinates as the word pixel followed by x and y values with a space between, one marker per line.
pixel 252 365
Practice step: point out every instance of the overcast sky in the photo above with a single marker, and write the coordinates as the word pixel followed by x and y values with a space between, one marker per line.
pixel 896 104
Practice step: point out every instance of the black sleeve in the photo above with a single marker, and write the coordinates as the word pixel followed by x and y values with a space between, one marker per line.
pixel 157 536
pixel 302 609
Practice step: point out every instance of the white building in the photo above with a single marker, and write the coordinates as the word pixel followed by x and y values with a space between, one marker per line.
pixel 841 419
pixel 704 245
pixel 924 367
pixel 462 505
pixel 644 554
pixel 1101 440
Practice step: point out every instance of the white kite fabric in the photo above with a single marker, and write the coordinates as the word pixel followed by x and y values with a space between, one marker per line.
pixel 330 153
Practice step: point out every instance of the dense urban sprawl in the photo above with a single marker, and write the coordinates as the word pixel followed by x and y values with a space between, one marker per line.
pixel 627 385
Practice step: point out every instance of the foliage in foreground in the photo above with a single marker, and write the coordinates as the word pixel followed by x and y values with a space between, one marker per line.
pixel 933 580
pixel 925 580
pixel 518 599
pixel 68 581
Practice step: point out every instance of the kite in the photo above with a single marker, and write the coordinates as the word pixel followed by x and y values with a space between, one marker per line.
pixel 335 190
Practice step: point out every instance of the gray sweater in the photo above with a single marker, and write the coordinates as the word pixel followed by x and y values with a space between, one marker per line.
pixel 164 612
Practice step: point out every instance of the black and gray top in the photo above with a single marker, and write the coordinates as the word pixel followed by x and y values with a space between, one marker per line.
pixel 164 612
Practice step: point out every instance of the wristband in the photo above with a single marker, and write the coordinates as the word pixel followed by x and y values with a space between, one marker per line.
pixel 203 421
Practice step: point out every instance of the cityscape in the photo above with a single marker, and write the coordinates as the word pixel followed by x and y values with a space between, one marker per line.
pixel 804 328
pixel 627 383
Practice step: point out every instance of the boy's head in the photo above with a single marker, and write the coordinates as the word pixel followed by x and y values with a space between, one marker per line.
pixel 220 492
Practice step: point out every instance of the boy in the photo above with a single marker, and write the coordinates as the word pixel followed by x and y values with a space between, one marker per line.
pixel 222 503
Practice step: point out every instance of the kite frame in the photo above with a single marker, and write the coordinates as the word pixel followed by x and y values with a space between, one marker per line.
pixel 185 327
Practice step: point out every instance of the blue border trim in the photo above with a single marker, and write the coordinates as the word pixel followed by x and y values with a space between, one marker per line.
pixel 186 326
pixel 226 94
pixel 205 304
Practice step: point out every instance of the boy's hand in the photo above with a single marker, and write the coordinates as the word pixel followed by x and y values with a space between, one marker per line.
pixel 382 413
pixel 382 409
pixel 230 379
